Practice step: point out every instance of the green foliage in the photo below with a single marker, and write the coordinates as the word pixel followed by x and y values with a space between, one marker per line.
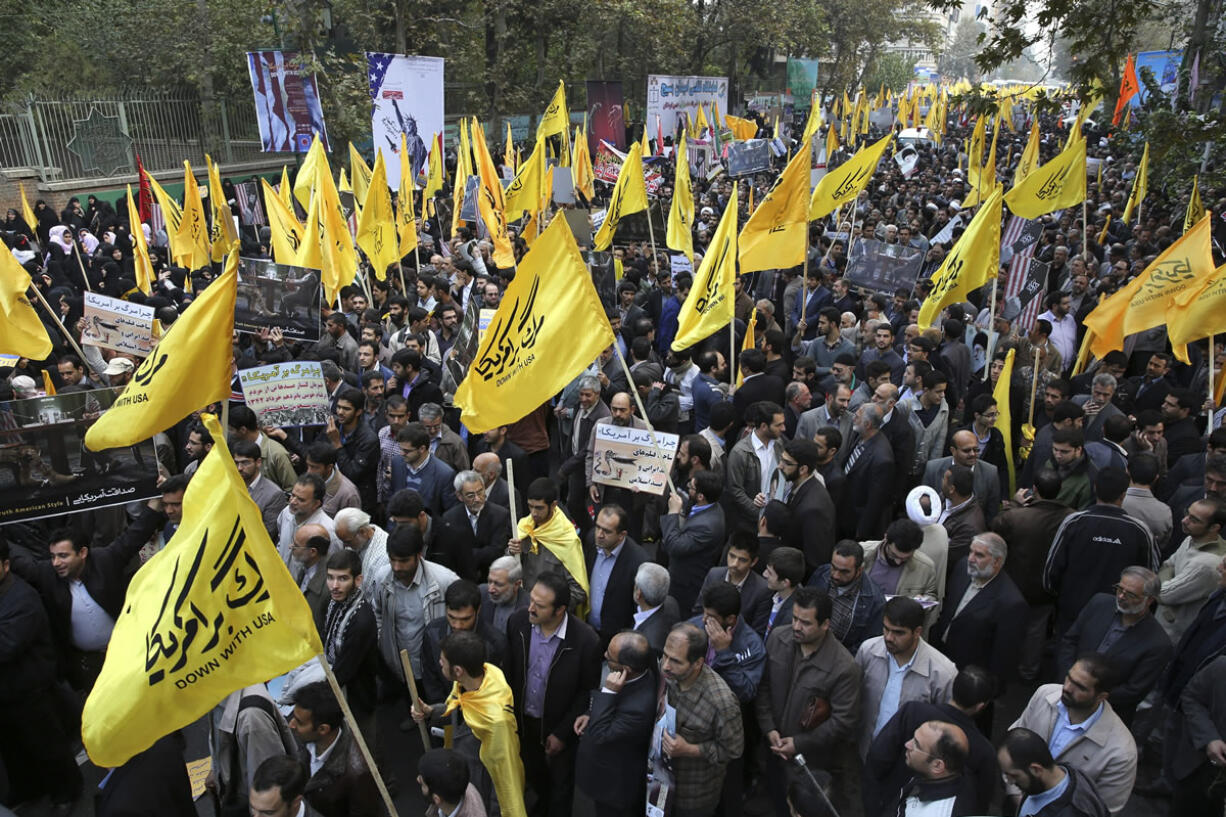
pixel 892 70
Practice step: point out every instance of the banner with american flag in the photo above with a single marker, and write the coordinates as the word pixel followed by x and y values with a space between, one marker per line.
pixel 1021 238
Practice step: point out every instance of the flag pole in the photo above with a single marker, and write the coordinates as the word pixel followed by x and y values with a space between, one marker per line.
pixel 731 358
pixel 639 400
pixel 1212 361
pixel 84 277
pixel 67 336
pixel 410 680
pixel 519 559
pixel 652 233
pixel 357 736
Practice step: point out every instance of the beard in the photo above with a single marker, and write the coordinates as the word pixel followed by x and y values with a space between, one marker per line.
pixel 1129 609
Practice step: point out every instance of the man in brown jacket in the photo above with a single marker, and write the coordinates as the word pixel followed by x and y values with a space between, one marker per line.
pixel 809 699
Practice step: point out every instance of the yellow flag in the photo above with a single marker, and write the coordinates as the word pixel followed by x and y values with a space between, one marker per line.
pixel 141 263
pixel 1195 211
pixel 508 154
pixel 1030 155
pixel 531 349
pixel 191 249
pixel 700 124
pixel 376 233
pixel 974 153
pixel 406 218
pixel 583 174
pixel 1198 313
pixel 21 333
pixel 845 182
pixel 556 120
pixel 1056 185
pixel 1005 421
pixel 337 254
pixel 489 711
pixel 930 120
pixel 776 236
pixel 711 303
pixel 171 213
pixel 983 179
pixel 742 129
pixel 526 190
pixel 214 611
pixel 188 369
pixel 716 122
pixel 832 145
pixel 1143 302
pixel 814 122
pixel 1102 236
pixel 435 176
pixel 283 226
pixel 490 201
pixel 222 233
pixel 1140 184
pixel 750 342
pixel 286 192
pixel 972 262
pixel 680 235
pixel 27 212
pixel 308 171
pixel 309 254
pixel 49 385
pixel 359 174
pixel 629 196
pixel 343 183
pixel 463 169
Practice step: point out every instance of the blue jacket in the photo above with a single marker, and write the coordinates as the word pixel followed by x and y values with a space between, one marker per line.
pixel 705 396
pixel 866 613
pixel 434 483
pixel 740 665
pixel 667 330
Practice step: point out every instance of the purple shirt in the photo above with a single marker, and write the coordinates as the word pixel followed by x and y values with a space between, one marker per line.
pixel 541 650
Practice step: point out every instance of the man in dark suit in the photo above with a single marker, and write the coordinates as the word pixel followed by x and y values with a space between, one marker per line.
pixel 481 527
pixel 589 410
pixel 757 385
pixel 896 427
pixel 547 636
pixel 739 572
pixel 984 615
pixel 503 594
pixel 868 488
pixel 612 559
pixel 657 611
pixel 1147 391
pixel 693 538
pixel 1182 435
pixel 813 529
pixel 964 447
pixel 614 736
pixel 1098 405
pixel 1122 627
pixel 415 387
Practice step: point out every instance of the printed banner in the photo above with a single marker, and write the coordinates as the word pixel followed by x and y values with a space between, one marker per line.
pixel 606 116
pixel 286 102
pixel 747 158
pixel 608 163
pixel 626 457
pixel 669 96
pixel 46 470
pixel 116 324
pixel 287 394
pixel 277 296
pixel 802 79
pixel 1165 65
pixel 1036 280
pixel 406 96
pixel 882 267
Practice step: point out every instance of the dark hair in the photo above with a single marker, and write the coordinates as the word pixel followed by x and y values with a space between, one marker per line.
pixel 753 361
pixel 543 489
pixel 852 548
pixel 405 542
pixel 286 774
pixel 206 439
pixel 635 652
pixel 319 544
pixel 462 593
pixel 1047 482
pixel 932 378
pixel 1101 669
pixel 1218 514
pixel 788 564
pixel 832 436
pixel 344 559
pixel 619 513
pixel 1110 484
pixel 243 417
pixel 1186 398
pixel 1117 427
pixel 318 489
pixel 322 452
pixel 961 479
pixel 746 542
pixel 762 413
pixel 710 484
pixel 1066 410
pixel 558 584
pixel 1069 436
pixel 949 751
pixel 699 448
pixel 804 452
pixel 1027 748
pixel 317 698
pixel 444 773
pixel 414 434
pixel 1143 468
pixel 904 611
pixel 175 484
pixel 723 598
pixel 242 448
pixel 1216 463
pixel 811 598
pixel 1054 298
pixel 465 649
pixel 973 685
pixel 696 640
pixel 406 503
pixel 1061 385
pixel 722 415
pixel 982 403
pixel 906 536
pixel 876 369
pixel 778 518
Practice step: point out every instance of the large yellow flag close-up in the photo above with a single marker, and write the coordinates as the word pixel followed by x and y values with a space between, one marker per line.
pixel 376 227
pixel 845 182
pixel 21 331
pixel 776 235
pixel 1198 313
pixel 971 263
pixel 531 348
pixel 214 611
pixel 711 303
pixel 188 369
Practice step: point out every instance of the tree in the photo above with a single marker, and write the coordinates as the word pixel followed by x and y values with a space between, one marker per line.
pixel 892 70
pixel 959 59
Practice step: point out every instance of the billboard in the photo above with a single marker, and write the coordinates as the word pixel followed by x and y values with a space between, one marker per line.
pixel 406 96
pixel 286 102
pixel 802 79
pixel 1165 66
pixel 606 116
pixel 669 96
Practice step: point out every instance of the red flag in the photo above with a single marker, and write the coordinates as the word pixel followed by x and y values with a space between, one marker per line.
pixel 145 199
pixel 660 136
pixel 1129 86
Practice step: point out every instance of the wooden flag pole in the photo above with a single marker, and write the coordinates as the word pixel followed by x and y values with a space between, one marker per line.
pixel 639 400
pixel 67 336
pixel 652 233
pixel 511 505
pixel 84 277
pixel 1212 362
pixel 357 736
pixel 410 680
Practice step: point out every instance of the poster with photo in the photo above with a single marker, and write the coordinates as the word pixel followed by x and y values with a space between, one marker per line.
pixel 280 296
pixel 287 103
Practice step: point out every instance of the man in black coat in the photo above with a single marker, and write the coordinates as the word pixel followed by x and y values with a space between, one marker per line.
pixel 896 427
pixel 613 559
pixel 656 611
pixel 868 490
pixel 590 410
pixel 1147 391
pixel 102 573
pixel 813 530
pixel 1182 436
pixel 356 444
pixel 462 602
pixel 567 651
pixel 614 736
pixel 480 527
pixel 757 386
pixel 693 539
pixel 738 571
pixel 152 782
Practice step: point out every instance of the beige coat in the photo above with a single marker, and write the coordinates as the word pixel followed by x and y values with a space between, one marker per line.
pixel 930 679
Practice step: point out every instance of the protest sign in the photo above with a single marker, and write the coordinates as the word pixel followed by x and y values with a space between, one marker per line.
pixel 669 96
pixel 287 394
pixel 483 321
pixel 406 97
pixel 749 157
pixel 115 324
pixel 277 296
pixel 626 457
pixel 1032 286
pixel 604 277
pixel 606 115
pixel 802 79
pixel 468 209
pixel 679 264
pixel 45 469
pixel 608 164
pixel 286 102
pixel 563 186
pixel 882 267
pixel 580 226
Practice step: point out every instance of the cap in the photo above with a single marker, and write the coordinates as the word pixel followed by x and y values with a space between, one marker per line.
pixel 119 365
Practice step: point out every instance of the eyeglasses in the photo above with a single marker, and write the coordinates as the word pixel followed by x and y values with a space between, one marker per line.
pixel 1120 590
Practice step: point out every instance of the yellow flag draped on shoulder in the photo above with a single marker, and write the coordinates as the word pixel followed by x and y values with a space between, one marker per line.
pixel 1198 313
pixel 1005 421
pixel 1140 185
pixel 1056 185
pixel 558 536
pixel 216 610
pixel 376 231
pixel 191 248
pixel 1195 211
pixel 526 190
pixel 531 350
pixel 1030 155
pixel 222 233
pixel 489 711
pixel 21 332
pixel 188 369
pixel 1142 303
pixel 283 226
pixel 972 262
pixel 490 201
pixel 845 182
pixel 680 235
pixel 776 236
pixel 629 196
pixel 711 303
pixel 141 263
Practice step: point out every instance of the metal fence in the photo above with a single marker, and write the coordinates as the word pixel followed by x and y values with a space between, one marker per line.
pixel 72 139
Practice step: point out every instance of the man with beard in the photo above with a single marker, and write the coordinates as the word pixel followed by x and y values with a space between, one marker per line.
pixel 1047 787
pixel 869 472
pixel 621 415
pixel 857 601
pixel 1121 626
pixel 680 375
pixel 347 626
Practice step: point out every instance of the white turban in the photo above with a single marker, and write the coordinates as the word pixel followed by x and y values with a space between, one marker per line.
pixel 915 511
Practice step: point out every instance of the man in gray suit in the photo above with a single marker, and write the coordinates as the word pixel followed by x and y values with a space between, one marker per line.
pixel 964 449
pixel 266 494
pixel 1199 752
pixel 1098 406
pixel 693 535
pixel 590 410
pixel 833 413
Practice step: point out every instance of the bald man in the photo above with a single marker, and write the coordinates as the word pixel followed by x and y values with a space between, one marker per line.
pixel 312 545
pixel 964 450
pixel 497 491
pixel 937 755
